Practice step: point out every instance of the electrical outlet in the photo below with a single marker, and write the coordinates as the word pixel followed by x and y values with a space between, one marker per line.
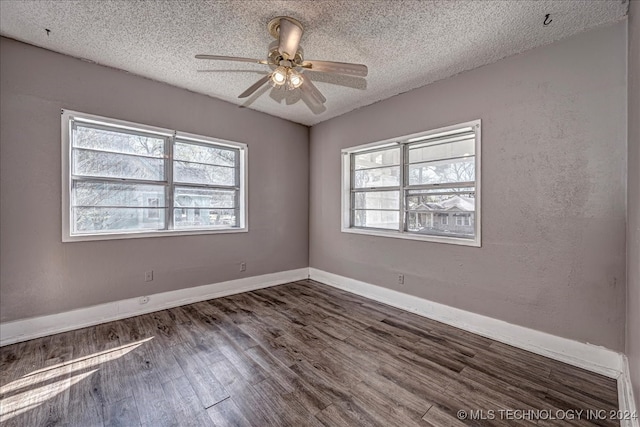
pixel 143 300
pixel 400 279
pixel 243 266
pixel 148 276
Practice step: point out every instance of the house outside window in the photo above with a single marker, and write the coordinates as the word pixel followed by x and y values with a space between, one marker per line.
pixel 423 186
pixel 123 180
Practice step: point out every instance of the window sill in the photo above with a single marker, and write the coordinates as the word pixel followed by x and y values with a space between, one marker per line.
pixel 145 234
pixel 409 236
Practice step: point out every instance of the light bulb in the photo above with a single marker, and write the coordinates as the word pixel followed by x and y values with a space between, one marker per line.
pixel 279 76
pixel 295 79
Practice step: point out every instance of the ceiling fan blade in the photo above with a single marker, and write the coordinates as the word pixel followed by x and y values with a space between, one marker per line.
pixel 232 71
pixel 290 34
pixel 254 87
pixel 311 92
pixel 349 69
pixel 231 58
pixel 338 79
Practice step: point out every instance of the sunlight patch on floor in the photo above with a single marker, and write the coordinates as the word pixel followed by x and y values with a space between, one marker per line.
pixel 35 388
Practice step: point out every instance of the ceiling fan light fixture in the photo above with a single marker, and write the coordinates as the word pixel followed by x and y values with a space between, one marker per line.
pixel 279 76
pixel 295 79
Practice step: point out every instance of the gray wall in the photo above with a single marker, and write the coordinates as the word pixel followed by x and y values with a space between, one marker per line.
pixel 40 275
pixel 633 201
pixel 553 178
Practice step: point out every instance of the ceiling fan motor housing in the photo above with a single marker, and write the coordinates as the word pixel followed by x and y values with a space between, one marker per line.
pixel 275 57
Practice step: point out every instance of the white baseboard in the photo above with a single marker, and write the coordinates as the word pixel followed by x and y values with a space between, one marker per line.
pixel 35 327
pixel 583 355
pixel 626 403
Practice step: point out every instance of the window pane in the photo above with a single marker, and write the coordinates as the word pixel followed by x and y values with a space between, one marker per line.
pixel 204 197
pixel 377 158
pixel 203 174
pixel 204 154
pixel 376 219
pixel 201 218
pixel 377 200
pixel 464 148
pixel 116 194
pixel 446 171
pixel 442 214
pixel 105 220
pixel 94 163
pixel 383 177
pixel 121 142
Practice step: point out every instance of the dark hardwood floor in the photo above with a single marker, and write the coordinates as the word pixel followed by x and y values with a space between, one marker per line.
pixel 300 354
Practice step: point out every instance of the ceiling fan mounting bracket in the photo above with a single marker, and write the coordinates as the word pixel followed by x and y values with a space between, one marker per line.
pixel 274 25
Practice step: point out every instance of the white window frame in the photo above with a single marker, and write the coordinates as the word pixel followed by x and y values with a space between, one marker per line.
pixel 68 117
pixel 346 226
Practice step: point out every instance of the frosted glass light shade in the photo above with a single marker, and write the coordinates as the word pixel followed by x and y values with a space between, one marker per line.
pixel 279 76
pixel 295 79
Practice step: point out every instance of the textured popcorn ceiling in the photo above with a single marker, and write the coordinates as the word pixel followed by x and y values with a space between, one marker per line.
pixel 405 44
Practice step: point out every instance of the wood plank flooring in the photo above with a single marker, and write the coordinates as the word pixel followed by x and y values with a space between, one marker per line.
pixel 300 354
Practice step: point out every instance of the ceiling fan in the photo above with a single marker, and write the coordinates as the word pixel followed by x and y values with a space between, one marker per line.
pixel 286 59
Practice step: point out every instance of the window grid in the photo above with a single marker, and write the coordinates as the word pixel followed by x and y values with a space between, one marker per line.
pixel 147 222
pixel 197 210
pixel 422 191
pixel 375 189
